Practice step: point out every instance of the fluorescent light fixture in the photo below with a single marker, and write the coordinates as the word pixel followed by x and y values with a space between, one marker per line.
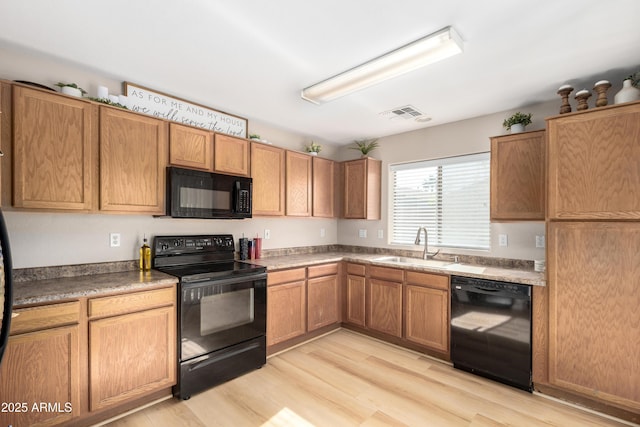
pixel 424 51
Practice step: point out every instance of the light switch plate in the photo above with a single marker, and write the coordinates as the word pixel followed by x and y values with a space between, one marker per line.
pixel 540 241
pixel 503 240
pixel 323 232
pixel 381 234
pixel 267 234
pixel 362 233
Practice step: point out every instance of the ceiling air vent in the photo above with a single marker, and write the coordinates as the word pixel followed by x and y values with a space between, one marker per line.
pixel 407 112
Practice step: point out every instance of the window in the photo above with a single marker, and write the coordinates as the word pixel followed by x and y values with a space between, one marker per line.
pixel 450 197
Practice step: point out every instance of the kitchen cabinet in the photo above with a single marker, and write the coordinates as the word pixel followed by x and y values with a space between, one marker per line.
pixel 231 155
pixel 593 161
pixel 323 296
pixel 384 300
pixel 324 187
pixel 593 326
pixel 42 364
pixel 268 173
pixel 362 185
pixel 132 346
pixel 518 176
pixel 190 147
pixel 54 151
pixel 286 305
pixel 355 295
pixel 426 310
pixel 298 184
pixel 133 159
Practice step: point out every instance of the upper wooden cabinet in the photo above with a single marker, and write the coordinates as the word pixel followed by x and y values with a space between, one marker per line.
pixel 133 159
pixel 593 163
pixel 231 155
pixel 324 187
pixel 190 147
pixel 518 176
pixel 298 184
pixel 362 185
pixel 54 151
pixel 268 172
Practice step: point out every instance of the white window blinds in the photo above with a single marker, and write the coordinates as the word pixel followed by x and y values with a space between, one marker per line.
pixel 448 196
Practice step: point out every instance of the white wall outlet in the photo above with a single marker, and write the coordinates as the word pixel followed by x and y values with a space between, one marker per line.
pixel 114 240
pixel 267 234
pixel 323 232
pixel 362 233
pixel 503 240
pixel 540 241
pixel 380 234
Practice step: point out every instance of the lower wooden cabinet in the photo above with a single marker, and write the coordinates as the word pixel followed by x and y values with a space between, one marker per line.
pixel 323 296
pixel 131 355
pixel 426 310
pixel 41 366
pixel 384 300
pixel 355 295
pixel 286 305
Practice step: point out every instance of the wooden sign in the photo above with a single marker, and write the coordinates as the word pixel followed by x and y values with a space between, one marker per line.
pixel 158 104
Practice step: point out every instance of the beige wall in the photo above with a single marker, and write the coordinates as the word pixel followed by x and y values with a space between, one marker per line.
pixel 42 239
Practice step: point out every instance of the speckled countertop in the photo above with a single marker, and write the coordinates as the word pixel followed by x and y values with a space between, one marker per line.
pixel 65 288
pixel 527 277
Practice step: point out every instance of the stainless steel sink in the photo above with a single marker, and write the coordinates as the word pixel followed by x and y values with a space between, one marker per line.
pixel 414 261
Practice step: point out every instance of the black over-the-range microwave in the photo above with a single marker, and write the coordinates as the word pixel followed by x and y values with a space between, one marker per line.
pixel 200 194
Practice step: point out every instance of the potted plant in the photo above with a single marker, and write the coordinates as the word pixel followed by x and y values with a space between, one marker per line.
pixel 517 122
pixel 254 136
pixel 71 89
pixel 365 146
pixel 313 148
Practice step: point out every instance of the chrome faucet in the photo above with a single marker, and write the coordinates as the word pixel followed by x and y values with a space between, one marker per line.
pixel 426 254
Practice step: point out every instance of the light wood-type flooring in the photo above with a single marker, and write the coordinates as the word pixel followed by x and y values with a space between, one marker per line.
pixel 347 379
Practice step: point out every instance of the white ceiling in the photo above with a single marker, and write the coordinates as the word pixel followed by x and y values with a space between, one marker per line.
pixel 251 58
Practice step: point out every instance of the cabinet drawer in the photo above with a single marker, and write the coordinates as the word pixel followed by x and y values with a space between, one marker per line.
pixel 392 274
pixel 355 269
pixel 431 280
pixel 128 303
pixel 44 317
pixel 285 276
pixel 322 270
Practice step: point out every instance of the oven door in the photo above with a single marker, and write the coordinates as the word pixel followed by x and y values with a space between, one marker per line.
pixel 216 314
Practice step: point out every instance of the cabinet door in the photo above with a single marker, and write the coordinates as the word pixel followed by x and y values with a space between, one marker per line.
pixel 131 355
pixel 267 171
pixel 323 187
pixel 384 307
pixel 190 147
pixel 593 164
pixel 518 176
pixel 362 185
pixel 286 311
pixel 37 367
pixel 322 302
pixel 231 155
pixel 356 300
pixel 133 160
pixel 594 328
pixel 298 184
pixel 427 317
pixel 55 142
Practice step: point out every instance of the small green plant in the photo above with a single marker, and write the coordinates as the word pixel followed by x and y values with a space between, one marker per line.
pixel 635 79
pixel 521 118
pixel 254 136
pixel 108 102
pixel 73 85
pixel 365 146
pixel 313 148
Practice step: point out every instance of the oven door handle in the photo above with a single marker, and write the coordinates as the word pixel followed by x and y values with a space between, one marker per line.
pixel 186 283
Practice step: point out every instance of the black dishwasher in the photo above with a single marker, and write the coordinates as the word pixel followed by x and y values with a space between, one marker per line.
pixel 491 329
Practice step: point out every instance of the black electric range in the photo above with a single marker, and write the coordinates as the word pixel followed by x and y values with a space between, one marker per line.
pixel 222 310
